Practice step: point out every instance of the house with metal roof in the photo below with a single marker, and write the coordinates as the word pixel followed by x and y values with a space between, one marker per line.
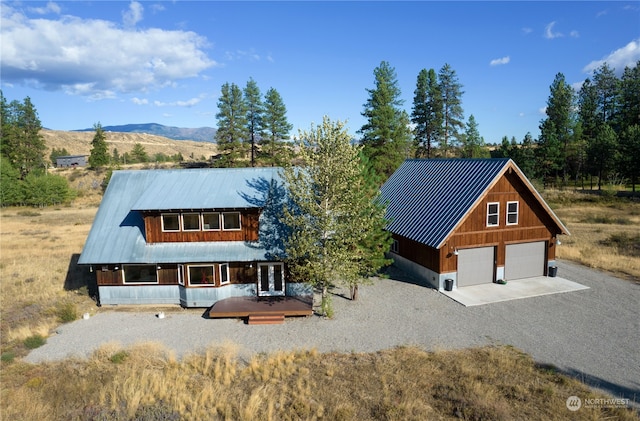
pixel 190 237
pixel 462 222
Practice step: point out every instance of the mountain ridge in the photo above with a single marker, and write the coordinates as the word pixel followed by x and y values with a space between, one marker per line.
pixel 199 134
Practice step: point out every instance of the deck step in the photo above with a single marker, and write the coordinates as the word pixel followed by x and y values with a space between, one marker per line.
pixel 266 318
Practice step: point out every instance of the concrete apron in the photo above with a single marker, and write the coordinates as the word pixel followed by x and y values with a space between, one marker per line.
pixel 476 295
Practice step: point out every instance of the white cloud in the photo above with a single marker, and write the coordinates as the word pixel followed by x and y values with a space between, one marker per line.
pixel 548 31
pixel 500 61
pixel 139 101
pixel 51 7
pixel 542 110
pixel 188 103
pixel 250 55
pixel 96 58
pixel 134 15
pixel 527 31
pixel 574 34
pixel 626 56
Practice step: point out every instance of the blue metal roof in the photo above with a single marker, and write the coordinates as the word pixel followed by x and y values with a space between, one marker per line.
pixel 204 189
pixel 428 198
pixel 117 233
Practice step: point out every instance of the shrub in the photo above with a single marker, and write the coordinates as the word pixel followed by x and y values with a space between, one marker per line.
pixel 67 312
pixel 119 357
pixel 35 341
pixel 8 357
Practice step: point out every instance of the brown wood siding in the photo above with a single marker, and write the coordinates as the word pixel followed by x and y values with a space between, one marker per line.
pixel 109 276
pixel 168 275
pixel 248 230
pixel 418 253
pixel 534 224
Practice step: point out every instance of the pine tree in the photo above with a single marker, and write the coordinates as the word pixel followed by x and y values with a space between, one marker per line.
pixel 602 152
pixel 139 154
pixel 630 97
pixel 426 114
pixel 629 157
pixel 255 115
pixel 333 215
pixel 232 124
pixel 99 156
pixel 386 134
pixel 277 128
pixel 557 129
pixel 606 85
pixel 21 140
pixel 473 145
pixel 452 112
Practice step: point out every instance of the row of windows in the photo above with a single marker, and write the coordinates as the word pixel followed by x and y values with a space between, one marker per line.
pixel 201 221
pixel 196 274
pixel 493 214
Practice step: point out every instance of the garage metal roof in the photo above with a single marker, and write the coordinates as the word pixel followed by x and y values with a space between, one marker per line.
pixel 117 233
pixel 428 198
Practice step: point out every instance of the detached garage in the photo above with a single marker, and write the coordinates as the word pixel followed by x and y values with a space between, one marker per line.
pixel 467 222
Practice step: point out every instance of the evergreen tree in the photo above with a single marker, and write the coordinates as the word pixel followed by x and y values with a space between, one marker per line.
pixel 526 158
pixel 557 129
pixel 630 97
pixel 232 124
pixel 473 145
pixel 386 134
pixel 630 154
pixel 277 128
pixel 99 156
pixel 255 115
pixel 606 85
pixel 11 191
pixel 139 154
pixel 602 152
pixel 452 112
pixel 426 114
pixel 21 140
pixel 56 153
pixel 333 215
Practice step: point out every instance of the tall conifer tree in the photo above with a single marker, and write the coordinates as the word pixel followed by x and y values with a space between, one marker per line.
pixel 386 134
pixel 232 124
pixel 276 127
pixel 99 156
pixel 426 114
pixel 452 112
pixel 255 115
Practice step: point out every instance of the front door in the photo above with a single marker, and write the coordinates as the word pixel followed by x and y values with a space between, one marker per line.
pixel 270 279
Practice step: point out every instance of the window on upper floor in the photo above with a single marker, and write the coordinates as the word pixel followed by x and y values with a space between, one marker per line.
pixel 170 222
pixel 512 213
pixel 493 214
pixel 231 221
pixel 211 221
pixel 191 222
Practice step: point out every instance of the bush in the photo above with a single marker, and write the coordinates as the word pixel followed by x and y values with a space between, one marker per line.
pixel 35 341
pixel 119 357
pixel 67 312
pixel 8 357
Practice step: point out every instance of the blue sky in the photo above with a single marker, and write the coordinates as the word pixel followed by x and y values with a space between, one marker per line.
pixel 164 62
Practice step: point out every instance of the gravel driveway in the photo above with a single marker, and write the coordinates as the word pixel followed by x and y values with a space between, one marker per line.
pixel 593 334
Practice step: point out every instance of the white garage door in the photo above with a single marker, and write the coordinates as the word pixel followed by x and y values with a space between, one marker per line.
pixel 524 260
pixel 475 266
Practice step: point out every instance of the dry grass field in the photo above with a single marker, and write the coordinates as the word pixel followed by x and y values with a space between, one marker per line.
pixel 42 288
pixel 605 232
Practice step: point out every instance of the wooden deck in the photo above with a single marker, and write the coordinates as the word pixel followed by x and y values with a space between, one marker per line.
pixel 262 306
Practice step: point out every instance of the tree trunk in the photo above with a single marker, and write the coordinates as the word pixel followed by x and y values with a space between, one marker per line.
pixel 354 292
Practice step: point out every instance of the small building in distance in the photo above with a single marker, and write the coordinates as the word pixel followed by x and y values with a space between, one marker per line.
pixel 71 161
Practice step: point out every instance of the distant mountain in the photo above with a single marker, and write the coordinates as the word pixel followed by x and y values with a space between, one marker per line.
pixel 201 134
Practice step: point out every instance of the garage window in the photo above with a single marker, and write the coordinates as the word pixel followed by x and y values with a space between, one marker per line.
pixel 512 213
pixel 493 214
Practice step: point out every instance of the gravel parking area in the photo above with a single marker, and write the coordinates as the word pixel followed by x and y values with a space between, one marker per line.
pixel 592 334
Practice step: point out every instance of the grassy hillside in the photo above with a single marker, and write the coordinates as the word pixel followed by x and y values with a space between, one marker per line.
pixel 79 143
